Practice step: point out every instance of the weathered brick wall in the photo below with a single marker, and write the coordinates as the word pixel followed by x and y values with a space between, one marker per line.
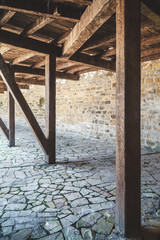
pixel 88 107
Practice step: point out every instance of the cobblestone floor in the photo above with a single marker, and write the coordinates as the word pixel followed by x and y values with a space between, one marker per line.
pixel 72 200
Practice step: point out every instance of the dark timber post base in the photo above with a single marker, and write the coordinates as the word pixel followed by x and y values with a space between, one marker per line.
pixel 50 106
pixel 11 119
pixel 128 210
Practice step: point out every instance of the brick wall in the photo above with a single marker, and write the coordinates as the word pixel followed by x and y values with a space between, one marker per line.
pixel 87 107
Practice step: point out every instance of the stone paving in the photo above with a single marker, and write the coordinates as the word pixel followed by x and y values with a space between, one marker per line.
pixel 72 200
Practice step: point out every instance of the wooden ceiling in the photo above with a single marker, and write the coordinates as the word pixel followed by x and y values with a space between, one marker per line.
pixel 81 32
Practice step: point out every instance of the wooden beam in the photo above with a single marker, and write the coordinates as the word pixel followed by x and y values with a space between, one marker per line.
pixel 83 2
pixel 4 128
pixel 22 58
pixel 150 13
pixel 27 43
pixel 128 150
pixel 11 120
pixel 100 42
pixel 4 49
pixel 75 69
pixel 109 40
pixel 41 9
pixel 6 17
pixel 91 20
pixel 36 25
pixel 7 77
pixel 39 64
pixel 146 42
pixel 50 106
pixel 150 58
pixel 94 61
pixel 41 72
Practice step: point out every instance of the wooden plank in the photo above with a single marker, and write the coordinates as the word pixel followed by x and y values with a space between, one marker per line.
pixel 36 25
pixel 50 106
pixel 22 58
pixel 6 17
pixel 41 72
pixel 4 128
pixel 94 61
pixel 27 43
pixel 7 77
pixel 11 120
pixel 91 20
pixel 128 151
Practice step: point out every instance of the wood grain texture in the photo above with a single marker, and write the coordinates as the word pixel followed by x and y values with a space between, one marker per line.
pixel 4 128
pixel 50 106
pixel 92 19
pixel 128 207
pixel 11 119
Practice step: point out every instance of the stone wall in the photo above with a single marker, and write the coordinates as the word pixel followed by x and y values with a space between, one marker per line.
pixel 88 107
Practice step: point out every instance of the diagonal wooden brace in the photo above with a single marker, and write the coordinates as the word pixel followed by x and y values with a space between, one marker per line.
pixel 4 129
pixel 8 78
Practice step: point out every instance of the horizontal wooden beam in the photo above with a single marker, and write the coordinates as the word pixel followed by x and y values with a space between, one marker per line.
pixel 94 61
pixel 8 78
pixel 27 43
pixel 92 19
pixel 36 25
pixel 109 40
pixel 97 43
pixel 6 16
pixel 83 2
pixel 150 51
pixel 22 58
pixel 4 128
pixel 41 9
pixel 150 57
pixel 41 72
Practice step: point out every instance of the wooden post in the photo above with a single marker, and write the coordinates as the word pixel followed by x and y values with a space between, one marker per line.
pixel 50 106
pixel 11 119
pixel 128 206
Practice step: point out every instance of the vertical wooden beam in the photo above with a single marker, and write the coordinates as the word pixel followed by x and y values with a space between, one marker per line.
pixel 128 118
pixel 50 106
pixel 11 119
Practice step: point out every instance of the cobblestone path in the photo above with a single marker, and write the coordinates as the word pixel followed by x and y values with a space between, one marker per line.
pixel 72 200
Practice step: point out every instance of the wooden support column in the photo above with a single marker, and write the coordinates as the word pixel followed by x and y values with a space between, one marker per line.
pixel 11 119
pixel 128 207
pixel 50 106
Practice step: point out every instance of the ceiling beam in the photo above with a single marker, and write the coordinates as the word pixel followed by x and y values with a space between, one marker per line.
pixel 94 61
pixel 22 58
pixel 91 20
pixel 41 72
pixel 109 40
pixel 27 43
pixel 41 9
pixel 36 25
pixel 6 16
